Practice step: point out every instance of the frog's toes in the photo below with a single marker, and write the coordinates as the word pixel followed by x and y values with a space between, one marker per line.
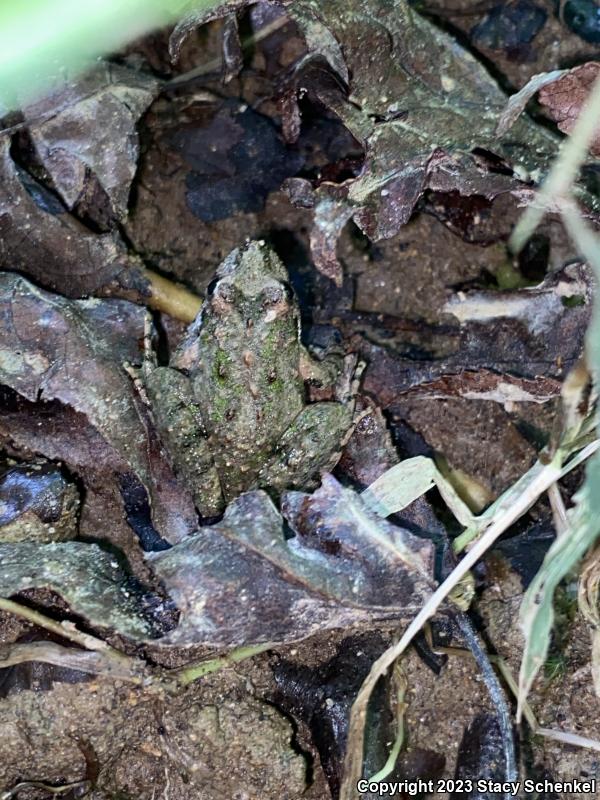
pixel 348 383
pixel 135 375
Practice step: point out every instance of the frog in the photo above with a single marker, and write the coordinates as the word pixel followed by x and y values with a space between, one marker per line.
pixel 231 407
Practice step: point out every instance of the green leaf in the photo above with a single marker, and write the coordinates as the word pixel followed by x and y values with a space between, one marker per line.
pixel 404 482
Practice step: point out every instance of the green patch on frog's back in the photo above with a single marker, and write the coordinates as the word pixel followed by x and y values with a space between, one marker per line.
pixel 221 367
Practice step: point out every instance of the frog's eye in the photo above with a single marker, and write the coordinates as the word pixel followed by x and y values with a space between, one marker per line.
pixel 272 296
pixel 223 291
pixel 275 295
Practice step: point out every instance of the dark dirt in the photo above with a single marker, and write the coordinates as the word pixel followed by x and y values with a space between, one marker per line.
pixel 415 306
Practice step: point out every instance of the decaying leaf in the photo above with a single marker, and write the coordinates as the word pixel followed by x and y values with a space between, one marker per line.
pixel 507 346
pixel 564 98
pixel 562 94
pixel 88 578
pixel 419 104
pixel 538 308
pixel 236 160
pixel 40 239
pixel 242 582
pixel 509 27
pixel 37 503
pixel 517 102
pixel 85 137
pixel 369 451
pixel 73 351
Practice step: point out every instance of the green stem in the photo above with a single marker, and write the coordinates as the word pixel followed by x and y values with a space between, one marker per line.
pixel 190 674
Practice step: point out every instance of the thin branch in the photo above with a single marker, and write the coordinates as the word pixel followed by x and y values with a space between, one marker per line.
pixel 172 298
pixel 191 673
pixel 78 786
pixel 105 660
pixel 67 630
pixel 89 661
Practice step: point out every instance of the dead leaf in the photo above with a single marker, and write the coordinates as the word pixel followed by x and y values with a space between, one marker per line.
pixel 484 384
pixel 241 582
pixel 563 98
pixel 73 351
pixel 517 102
pixel 37 503
pixel 236 159
pixel 85 576
pixel 40 239
pixel 369 451
pixel 514 345
pixel 85 137
pixel 416 102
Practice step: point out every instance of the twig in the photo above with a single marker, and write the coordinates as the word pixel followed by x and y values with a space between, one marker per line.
pixel 65 629
pixel 171 297
pixel 569 738
pixel 90 661
pixel 497 696
pixel 47 787
pixel 191 673
pixel 105 660
pixel 504 670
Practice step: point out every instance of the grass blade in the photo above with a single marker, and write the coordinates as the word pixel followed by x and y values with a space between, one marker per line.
pixel 40 41
pixel 537 613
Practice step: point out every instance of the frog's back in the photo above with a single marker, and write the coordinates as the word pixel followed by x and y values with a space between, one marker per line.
pixel 247 379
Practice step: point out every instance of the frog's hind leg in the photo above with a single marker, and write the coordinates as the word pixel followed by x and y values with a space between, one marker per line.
pixel 179 424
pixel 311 444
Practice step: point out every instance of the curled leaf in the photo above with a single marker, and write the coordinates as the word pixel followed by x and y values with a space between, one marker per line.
pixel 564 98
pixel 517 102
pixel 39 238
pixel 85 136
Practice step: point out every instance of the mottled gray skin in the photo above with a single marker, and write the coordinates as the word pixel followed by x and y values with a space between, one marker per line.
pixel 231 408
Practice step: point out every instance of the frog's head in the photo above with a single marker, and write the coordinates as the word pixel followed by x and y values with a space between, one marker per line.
pixel 253 281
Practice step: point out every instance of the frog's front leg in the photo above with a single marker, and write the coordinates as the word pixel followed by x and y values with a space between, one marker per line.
pixel 323 371
pixel 311 444
pixel 179 424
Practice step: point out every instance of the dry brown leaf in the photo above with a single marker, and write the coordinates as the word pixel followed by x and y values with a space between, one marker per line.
pixel 563 98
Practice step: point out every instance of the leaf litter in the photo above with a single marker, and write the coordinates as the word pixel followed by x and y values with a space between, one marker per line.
pixel 428 130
